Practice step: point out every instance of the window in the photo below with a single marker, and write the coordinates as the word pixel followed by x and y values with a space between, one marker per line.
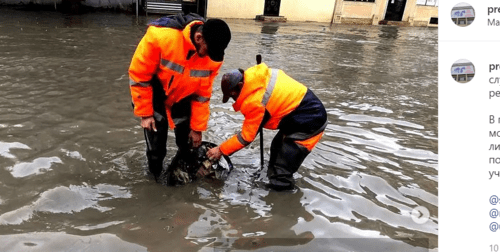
pixel 434 20
pixel 469 20
pixel 462 78
pixel 428 2
pixel 370 1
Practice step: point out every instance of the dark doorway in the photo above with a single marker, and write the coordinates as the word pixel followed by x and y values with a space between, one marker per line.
pixel 195 6
pixel 395 10
pixel 272 8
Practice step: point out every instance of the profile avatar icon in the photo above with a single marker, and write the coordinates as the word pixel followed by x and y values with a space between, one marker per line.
pixel 463 14
pixel 462 71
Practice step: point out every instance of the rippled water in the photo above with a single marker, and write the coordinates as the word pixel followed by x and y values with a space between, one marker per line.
pixel 72 154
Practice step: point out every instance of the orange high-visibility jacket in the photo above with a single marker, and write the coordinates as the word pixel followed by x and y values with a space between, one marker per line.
pixel 164 51
pixel 263 89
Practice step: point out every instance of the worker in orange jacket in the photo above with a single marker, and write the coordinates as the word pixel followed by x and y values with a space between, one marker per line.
pixel 171 76
pixel 271 99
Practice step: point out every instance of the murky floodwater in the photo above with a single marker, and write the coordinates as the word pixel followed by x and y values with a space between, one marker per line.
pixel 72 154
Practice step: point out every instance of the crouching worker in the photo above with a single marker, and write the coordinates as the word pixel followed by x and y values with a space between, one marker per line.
pixel 271 99
pixel 171 76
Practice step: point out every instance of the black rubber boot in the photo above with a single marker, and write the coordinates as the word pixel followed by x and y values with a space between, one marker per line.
pixel 181 113
pixel 156 148
pixel 286 158
pixel 156 142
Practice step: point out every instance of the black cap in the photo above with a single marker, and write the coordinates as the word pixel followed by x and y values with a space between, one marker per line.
pixel 229 82
pixel 217 36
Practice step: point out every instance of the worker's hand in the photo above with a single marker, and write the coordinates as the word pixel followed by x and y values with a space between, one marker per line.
pixel 148 123
pixel 202 172
pixel 195 137
pixel 214 153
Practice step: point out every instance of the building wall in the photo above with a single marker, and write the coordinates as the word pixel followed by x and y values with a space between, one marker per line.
pixel 424 13
pixel 356 12
pixel 293 10
pixel 307 10
pixel 372 13
pixel 235 8
pixel 358 9
pixel 414 12
pixel 419 15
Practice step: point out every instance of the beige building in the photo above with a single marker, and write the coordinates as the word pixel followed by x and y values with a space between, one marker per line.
pixel 374 12
pixel 398 12
pixel 292 10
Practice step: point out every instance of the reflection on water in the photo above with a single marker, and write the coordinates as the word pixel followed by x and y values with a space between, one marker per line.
pixel 65 200
pixel 73 154
pixel 51 241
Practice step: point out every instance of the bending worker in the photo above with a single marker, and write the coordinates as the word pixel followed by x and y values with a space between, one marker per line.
pixel 171 76
pixel 271 99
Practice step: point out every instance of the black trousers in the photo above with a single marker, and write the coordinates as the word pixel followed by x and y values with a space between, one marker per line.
pixel 286 158
pixel 307 120
pixel 156 142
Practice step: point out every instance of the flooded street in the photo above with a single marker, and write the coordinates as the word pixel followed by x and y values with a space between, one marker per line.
pixel 72 153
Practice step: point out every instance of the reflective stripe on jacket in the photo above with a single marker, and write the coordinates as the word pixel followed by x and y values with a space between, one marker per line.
pixel 264 90
pixel 164 51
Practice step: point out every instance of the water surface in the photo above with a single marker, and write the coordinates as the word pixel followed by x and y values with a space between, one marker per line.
pixel 72 154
